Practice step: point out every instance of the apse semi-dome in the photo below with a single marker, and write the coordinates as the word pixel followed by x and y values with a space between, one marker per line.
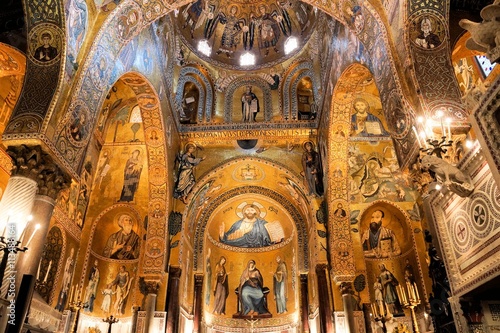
pixel 245 34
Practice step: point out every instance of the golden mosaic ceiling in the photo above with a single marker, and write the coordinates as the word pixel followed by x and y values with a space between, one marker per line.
pixel 222 32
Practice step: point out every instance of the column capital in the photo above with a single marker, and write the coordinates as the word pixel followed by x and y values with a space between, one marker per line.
pixel 33 163
pixel 198 279
pixel 148 286
pixel 346 288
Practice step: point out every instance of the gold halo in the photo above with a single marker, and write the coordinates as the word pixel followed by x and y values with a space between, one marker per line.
pixel 40 39
pixel 188 145
pixel 231 7
pixel 241 207
pixel 304 145
pixel 117 218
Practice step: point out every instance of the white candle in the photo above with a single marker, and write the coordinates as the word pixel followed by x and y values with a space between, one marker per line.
pixel 416 292
pixel 448 122
pixel 32 235
pixel 22 234
pixel 6 224
pixel 48 270
pixel 38 271
pixel 418 138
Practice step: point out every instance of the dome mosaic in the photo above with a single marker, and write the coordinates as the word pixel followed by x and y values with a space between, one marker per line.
pixel 245 34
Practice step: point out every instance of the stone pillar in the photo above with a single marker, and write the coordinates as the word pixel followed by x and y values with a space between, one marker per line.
pixel 304 303
pixel 173 299
pixel 198 290
pixel 325 307
pixel 150 291
pixel 33 170
pixel 346 290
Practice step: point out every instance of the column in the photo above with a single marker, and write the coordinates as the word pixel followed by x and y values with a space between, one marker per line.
pixel 325 308
pixel 150 289
pixel 346 290
pixel 173 299
pixel 198 290
pixel 304 303
pixel 33 171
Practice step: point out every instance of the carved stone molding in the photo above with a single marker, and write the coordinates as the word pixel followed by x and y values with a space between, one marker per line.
pixel 33 163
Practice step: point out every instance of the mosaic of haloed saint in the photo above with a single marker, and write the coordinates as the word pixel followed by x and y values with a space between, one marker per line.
pixel 250 223
pixel 118 236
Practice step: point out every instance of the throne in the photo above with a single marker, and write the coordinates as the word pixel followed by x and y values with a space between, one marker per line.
pixel 239 315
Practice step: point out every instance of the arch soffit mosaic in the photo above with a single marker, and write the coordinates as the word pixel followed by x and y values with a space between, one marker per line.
pixel 152 119
pixel 303 218
pixel 106 47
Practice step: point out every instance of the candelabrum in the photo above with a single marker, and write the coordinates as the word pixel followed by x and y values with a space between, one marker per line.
pixel 110 320
pixel 410 299
pixel 9 246
pixel 436 147
pixel 380 314
pixel 75 306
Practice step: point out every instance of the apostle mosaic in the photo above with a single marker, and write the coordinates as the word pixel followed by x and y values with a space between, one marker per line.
pixel 379 241
pixel 131 176
pixel 125 243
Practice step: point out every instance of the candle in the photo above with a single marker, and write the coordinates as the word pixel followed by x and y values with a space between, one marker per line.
pixel 405 300
pixel 71 294
pixel 22 234
pixel 416 292
pixel 400 294
pixel 418 138
pixel 48 270
pixel 424 139
pixel 6 224
pixel 32 235
pixel 38 271
pixel 448 122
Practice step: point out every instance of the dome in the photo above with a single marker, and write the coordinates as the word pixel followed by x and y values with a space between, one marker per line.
pixel 245 34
